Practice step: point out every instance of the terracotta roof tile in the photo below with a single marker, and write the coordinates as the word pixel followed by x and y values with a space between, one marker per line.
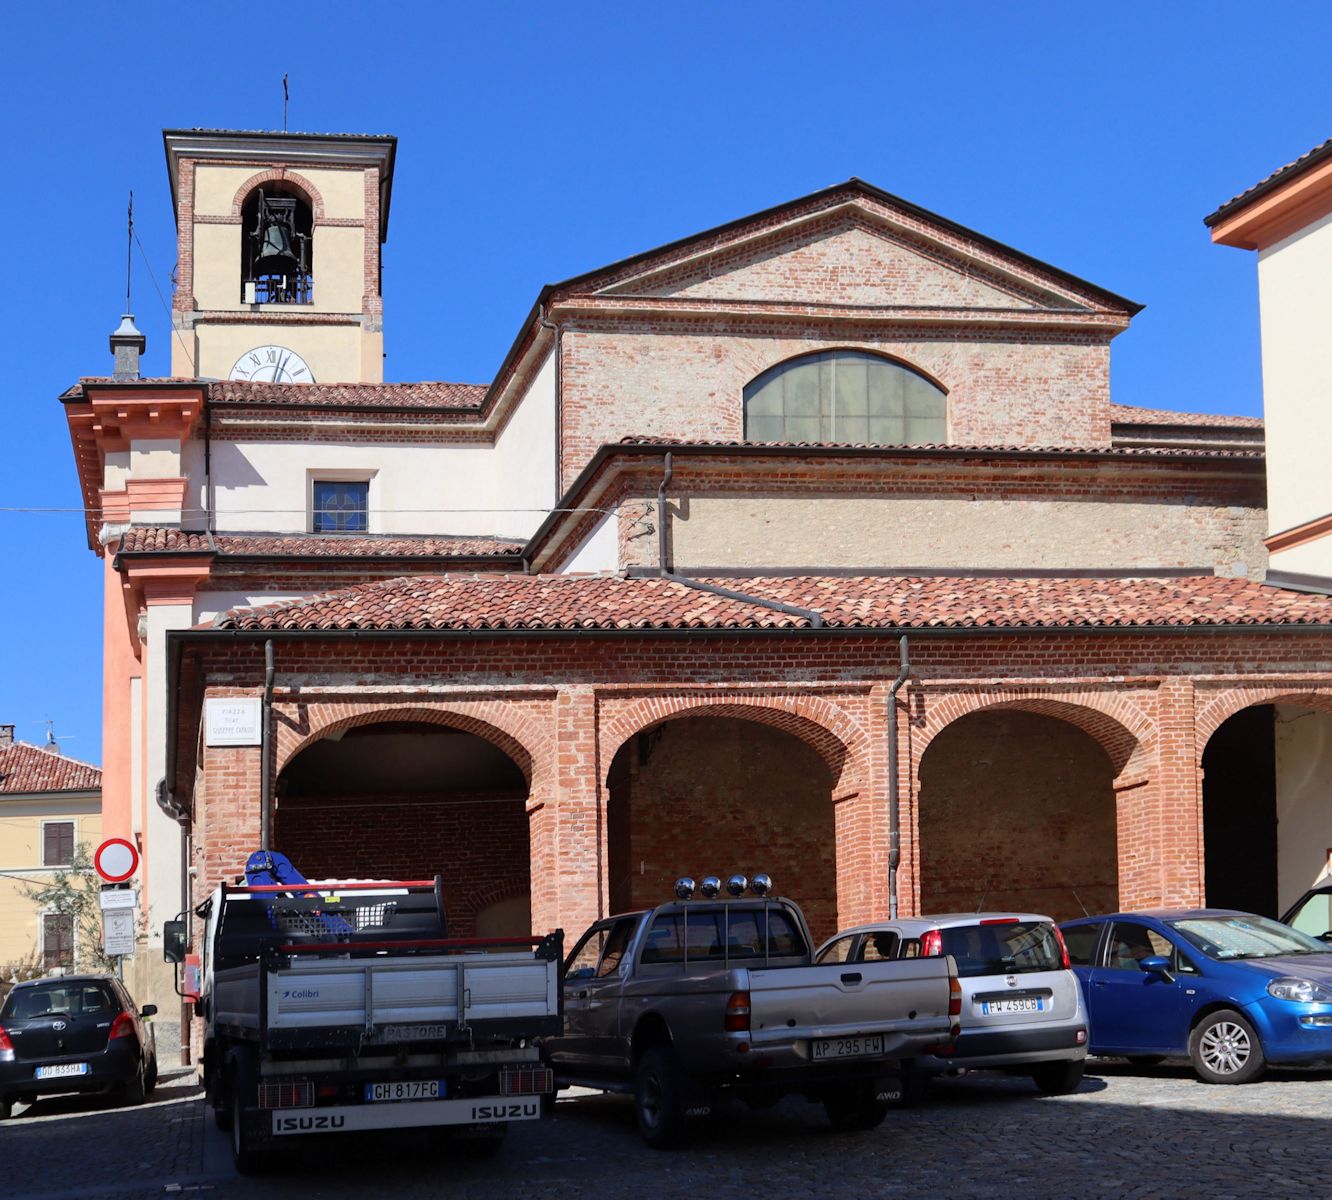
pixel 1130 414
pixel 562 602
pixel 27 768
pixel 1070 451
pixel 424 396
pixel 1274 180
pixel 154 540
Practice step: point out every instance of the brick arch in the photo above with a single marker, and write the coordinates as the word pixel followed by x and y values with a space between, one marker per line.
pixel 818 722
pixel 514 732
pixel 872 352
pixel 1233 700
pixel 279 175
pixel 1118 726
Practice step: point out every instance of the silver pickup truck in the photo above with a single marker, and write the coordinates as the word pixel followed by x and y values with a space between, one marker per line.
pixel 701 996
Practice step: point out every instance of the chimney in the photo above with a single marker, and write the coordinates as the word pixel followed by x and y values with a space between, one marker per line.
pixel 6 736
pixel 127 344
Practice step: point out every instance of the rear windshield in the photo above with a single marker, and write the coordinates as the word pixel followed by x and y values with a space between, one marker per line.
pixel 725 935
pixel 1008 949
pixel 72 999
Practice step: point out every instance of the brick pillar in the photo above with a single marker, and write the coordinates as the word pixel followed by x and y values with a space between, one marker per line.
pixel 226 814
pixel 569 888
pixel 861 814
pixel 1160 811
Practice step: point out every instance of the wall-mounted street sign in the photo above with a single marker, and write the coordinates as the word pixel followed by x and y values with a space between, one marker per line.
pixel 118 932
pixel 116 860
pixel 232 721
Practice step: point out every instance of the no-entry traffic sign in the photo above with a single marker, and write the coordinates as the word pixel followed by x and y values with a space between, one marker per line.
pixel 116 860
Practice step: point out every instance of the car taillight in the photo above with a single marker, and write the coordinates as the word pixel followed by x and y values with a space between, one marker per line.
pixel 954 996
pixel 1000 921
pixel 737 1013
pixel 6 1046
pixel 1063 948
pixel 931 944
pixel 122 1026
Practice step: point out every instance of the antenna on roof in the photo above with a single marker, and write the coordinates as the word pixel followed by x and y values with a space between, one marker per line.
pixel 129 251
pixel 52 746
pixel 285 98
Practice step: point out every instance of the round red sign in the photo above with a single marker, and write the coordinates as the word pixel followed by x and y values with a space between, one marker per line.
pixel 116 860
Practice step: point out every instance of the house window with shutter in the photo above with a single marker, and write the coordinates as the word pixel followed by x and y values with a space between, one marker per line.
pixel 57 843
pixel 57 940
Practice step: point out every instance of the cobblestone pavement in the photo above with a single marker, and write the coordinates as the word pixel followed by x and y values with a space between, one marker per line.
pixel 1125 1133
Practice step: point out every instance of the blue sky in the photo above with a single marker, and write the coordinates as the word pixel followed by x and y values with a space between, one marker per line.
pixel 540 141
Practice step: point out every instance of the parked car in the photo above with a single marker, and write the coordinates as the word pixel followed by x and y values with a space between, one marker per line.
pixel 1312 912
pixel 1231 990
pixel 1022 1009
pixel 75 1033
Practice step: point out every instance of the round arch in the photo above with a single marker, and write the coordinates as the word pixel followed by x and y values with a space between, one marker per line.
pixel 283 176
pixel 895 360
pixel 1234 700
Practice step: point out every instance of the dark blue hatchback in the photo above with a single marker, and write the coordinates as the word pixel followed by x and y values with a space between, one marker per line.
pixel 1231 990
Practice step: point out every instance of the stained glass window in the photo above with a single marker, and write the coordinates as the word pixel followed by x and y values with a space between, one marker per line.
pixel 341 506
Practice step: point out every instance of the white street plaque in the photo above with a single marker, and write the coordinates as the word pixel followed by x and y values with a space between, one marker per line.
pixel 118 898
pixel 118 931
pixel 232 721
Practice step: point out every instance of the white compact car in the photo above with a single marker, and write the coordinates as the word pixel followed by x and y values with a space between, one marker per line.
pixel 1022 1009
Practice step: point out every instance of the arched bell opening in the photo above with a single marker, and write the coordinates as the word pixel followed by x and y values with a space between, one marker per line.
pixel 277 246
pixel 718 795
pixel 409 800
pixel 1017 811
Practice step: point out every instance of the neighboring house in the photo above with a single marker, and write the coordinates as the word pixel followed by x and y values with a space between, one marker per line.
pixel 49 806
pixel 633 608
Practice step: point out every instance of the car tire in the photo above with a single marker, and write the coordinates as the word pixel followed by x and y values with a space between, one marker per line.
pixel 6 1108
pixel 658 1100
pixel 247 1157
pixel 135 1089
pixel 1058 1078
pixel 1224 1048
pixel 855 1108
pixel 915 1085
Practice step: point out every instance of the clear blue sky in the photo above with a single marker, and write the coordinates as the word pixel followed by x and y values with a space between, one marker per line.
pixel 540 141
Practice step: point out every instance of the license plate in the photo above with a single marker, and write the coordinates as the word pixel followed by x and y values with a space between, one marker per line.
pixel 407 1089
pixel 847 1047
pixel 60 1070
pixel 1018 1004
pixel 414 1033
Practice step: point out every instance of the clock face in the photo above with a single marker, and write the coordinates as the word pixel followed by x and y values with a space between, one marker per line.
pixel 271 364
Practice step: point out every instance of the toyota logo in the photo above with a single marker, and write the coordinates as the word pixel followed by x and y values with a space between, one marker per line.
pixel 57 1025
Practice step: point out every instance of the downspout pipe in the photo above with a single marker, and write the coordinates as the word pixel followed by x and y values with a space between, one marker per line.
pixel 813 616
pixel 894 817
pixel 266 742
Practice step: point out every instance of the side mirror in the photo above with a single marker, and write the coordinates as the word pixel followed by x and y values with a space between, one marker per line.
pixel 148 1010
pixel 1156 965
pixel 173 942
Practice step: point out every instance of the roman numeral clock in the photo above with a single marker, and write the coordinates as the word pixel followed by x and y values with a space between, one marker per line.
pixel 271 364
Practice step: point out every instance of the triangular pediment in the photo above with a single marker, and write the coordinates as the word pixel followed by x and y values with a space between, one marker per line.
pixel 848 246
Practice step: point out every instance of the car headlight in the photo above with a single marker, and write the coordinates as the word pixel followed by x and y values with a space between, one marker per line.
pixel 1303 990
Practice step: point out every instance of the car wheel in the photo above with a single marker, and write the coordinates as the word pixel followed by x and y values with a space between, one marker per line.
pixel 6 1108
pixel 855 1108
pixel 1225 1048
pixel 658 1106
pixel 135 1090
pixel 915 1084
pixel 1058 1078
pixel 244 1153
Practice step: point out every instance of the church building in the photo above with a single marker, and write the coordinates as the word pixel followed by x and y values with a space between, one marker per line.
pixel 814 544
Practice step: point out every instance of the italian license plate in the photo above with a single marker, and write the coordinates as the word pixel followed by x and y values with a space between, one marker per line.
pixel 847 1047
pixel 407 1089
pixel 61 1070
pixel 1018 1004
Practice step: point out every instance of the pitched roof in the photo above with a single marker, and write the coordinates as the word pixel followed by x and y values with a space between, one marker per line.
pixel 26 768
pixel 1131 414
pixel 1281 175
pixel 563 602
pixel 423 396
pixel 155 540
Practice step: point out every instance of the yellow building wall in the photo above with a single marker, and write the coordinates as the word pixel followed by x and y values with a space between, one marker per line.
pixel 21 864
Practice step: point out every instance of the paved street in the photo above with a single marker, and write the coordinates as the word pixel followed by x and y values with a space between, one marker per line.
pixel 1125 1133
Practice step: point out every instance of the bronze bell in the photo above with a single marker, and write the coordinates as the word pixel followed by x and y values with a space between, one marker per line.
pixel 273 234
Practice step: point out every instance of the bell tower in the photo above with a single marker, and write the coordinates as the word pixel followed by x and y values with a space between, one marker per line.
pixel 278 269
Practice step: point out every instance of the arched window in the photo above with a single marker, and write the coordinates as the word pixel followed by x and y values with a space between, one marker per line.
pixel 277 247
pixel 845 396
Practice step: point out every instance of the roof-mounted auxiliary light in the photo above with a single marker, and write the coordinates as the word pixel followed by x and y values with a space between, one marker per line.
pixel 761 884
pixel 736 885
pixel 711 887
pixel 684 887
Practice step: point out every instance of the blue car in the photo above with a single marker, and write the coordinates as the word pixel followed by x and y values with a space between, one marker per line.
pixel 1231 990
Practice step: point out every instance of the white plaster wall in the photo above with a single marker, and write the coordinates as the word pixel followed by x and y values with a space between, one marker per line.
pixel 115 470
pixel 599 551
pixel 1295 298
pixel 1312 558
pixel 161 833
pixel 1303 799
pixel 208 604
pixel 523 470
